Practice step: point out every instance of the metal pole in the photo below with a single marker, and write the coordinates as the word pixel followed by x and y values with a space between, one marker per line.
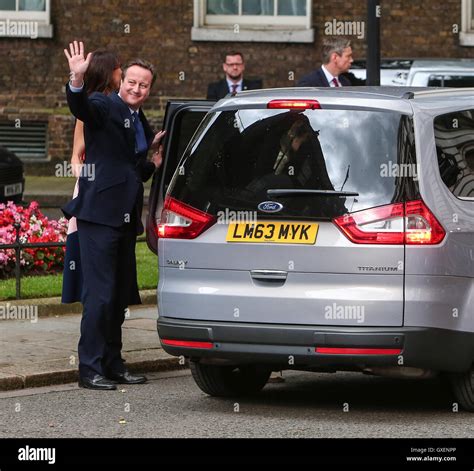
pixel 373 42
pixel 17 227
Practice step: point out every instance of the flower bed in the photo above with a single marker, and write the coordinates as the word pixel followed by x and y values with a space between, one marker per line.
pixel 35 227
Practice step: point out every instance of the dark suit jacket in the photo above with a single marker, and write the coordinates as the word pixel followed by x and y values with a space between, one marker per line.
pixel 355 82
pixel 109 133
pixel 317 78
pixel 218 90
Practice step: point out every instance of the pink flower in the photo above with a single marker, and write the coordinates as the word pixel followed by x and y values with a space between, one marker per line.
pixel 35 227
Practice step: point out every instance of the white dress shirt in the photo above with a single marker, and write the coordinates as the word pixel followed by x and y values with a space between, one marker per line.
pixel 330 77
pixel 230 83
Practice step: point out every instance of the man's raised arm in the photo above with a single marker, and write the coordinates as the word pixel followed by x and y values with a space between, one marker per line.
pixel 90 112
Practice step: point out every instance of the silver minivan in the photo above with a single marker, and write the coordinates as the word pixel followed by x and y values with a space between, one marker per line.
pixel 318 230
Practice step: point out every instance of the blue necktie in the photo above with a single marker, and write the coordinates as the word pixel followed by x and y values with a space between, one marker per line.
pixel 140 139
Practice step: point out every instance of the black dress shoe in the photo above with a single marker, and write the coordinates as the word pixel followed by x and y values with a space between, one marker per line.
pixel 127 378
pixel 97 382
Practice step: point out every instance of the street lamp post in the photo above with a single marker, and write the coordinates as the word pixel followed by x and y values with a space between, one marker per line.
pixel 373 42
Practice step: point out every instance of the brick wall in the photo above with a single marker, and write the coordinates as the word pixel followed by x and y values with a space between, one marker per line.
pixel 33 72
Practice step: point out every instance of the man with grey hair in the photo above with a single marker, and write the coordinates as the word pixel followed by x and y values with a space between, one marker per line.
pixel 337 60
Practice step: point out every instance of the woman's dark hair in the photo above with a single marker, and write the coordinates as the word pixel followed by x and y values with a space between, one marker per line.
pixel 98 77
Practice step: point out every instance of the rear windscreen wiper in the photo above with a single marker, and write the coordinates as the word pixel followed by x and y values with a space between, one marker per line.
pixel 290 192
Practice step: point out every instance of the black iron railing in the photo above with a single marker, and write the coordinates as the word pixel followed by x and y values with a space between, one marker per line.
pixel 18 245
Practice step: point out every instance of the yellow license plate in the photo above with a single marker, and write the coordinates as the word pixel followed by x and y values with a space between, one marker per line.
pixel 273 232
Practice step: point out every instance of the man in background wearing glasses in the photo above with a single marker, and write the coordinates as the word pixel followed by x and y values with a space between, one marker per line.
pixel 234 81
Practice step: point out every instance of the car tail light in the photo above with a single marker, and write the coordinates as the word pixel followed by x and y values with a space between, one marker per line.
pixel 187 344
pixel 357 351
pixel 181 221
pixel 421 225
pixel 402 223
pixel 294 104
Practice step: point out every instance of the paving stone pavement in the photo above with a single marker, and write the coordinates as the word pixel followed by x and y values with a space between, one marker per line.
pixel 44 352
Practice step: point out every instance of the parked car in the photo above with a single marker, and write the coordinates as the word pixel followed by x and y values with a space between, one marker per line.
pixel 422 72
pixel 12 181
pixel 393 72
pixel 318 230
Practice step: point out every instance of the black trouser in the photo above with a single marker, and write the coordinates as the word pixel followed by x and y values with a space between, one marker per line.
pixel 108 266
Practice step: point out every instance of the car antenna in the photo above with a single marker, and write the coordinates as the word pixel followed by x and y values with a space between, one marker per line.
pixel 347 176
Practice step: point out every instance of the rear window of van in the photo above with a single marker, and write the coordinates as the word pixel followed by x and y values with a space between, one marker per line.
pixel 237 156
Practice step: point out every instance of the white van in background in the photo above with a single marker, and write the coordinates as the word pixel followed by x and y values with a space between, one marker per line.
pixel 422 72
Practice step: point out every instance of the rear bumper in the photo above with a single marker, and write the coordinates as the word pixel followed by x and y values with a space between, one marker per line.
pixel 298 347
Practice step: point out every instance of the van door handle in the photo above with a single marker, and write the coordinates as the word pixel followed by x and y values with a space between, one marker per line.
pixel 269 275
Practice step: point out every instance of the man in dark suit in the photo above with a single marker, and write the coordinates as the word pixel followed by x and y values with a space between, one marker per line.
pixel 234 81
pixel 108 211
pixel 337 60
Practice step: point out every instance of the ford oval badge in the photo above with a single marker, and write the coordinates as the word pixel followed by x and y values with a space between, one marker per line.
pixel 270 207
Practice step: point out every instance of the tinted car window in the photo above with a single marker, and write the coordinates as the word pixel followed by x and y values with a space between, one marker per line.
pixel 236 156
pixel 184 126
pixel 451 81
pixel 454 136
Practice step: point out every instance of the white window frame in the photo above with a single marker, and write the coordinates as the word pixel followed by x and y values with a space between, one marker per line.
pixel 41 18
pixel 466 35
pixel 253 28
